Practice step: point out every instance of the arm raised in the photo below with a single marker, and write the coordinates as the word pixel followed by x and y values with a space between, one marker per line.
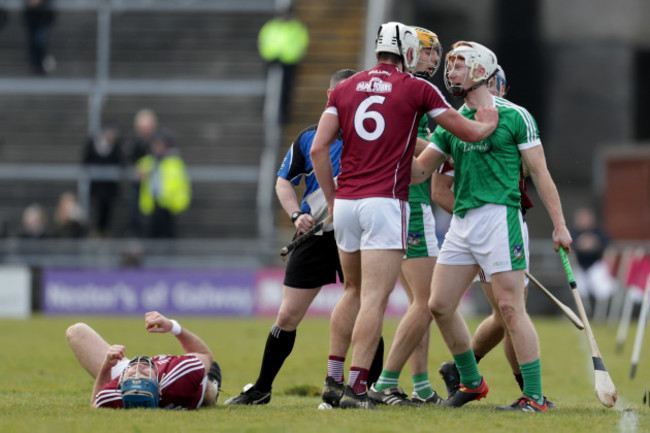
pixel 468 130
pixel 191 343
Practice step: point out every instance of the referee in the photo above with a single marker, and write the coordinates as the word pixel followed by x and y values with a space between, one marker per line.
pixel 312 264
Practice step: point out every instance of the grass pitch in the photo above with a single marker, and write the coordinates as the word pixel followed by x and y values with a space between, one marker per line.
pixel 44 389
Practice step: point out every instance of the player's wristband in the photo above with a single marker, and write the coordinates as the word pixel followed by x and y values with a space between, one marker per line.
pixel 176 328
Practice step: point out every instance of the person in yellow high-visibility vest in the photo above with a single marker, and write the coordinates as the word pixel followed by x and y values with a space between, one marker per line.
pixel 284 40
pixel 165 189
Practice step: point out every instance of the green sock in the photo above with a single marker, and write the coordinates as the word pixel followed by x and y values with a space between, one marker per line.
pixel 422 386
pixel 468 369
pixel 532 374
pixel 387 379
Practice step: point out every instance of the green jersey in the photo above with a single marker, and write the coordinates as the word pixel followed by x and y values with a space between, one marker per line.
pixel 488 172
pixel 420 193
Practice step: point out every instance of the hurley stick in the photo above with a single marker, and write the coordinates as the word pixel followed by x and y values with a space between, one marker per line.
pixel 568 312
pixel 303 237
pixel 605 389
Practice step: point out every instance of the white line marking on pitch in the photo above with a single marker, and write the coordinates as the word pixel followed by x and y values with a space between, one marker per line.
pixel 629 422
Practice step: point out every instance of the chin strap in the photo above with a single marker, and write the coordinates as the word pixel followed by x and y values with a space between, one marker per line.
pixel 458 92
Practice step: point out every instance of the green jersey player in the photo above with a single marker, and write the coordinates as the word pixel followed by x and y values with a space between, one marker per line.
pixel 486 229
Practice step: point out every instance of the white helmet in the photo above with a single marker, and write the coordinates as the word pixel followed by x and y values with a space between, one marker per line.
pixel 475 55
pixel 399 39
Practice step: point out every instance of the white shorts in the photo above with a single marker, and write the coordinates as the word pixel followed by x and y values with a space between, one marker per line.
pixel 375 223
pixel 491 236
pixel 485 278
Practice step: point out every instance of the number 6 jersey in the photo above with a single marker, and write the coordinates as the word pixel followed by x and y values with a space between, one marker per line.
pixel 379 111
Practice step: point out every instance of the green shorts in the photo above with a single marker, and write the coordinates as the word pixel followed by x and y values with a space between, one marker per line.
pixel 422 240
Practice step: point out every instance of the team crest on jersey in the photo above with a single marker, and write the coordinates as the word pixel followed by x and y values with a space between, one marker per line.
pixel 375 85
pixel 414 240
pixel 517 251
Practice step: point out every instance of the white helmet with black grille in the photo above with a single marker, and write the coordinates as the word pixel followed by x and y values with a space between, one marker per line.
pixel 401 40
pixel 476 56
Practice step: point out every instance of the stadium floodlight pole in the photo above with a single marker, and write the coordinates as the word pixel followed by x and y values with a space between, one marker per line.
pixel 640 329
pixel 568 312
pixel 284 252
pixel 604 387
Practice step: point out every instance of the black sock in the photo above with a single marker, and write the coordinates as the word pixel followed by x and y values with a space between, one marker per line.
pixel 279 345
pixel 377 363
pixel 520 380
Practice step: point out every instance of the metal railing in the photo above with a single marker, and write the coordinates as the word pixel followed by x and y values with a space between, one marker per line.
pixel 103 85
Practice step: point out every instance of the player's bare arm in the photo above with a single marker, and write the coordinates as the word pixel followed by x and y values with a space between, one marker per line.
pixel 420 145
pixel 328 129
pixel 191 343
pixel 535 160
pixel 425 164
pixel 472 131
pixel 114 354
pixel 289 202
pixel 441 191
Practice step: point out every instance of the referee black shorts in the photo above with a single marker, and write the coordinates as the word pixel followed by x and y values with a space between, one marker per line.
pixel 314 263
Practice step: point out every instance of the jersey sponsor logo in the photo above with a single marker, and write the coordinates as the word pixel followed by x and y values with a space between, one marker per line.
pixel 375 85
pixel 482 147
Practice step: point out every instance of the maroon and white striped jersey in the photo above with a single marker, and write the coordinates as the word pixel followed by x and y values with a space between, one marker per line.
pixel 181 380
pixel 379 111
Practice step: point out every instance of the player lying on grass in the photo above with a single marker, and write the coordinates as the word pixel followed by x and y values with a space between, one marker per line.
pixel 165 381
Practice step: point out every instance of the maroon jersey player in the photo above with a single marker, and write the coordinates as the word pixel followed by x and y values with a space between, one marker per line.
pixel 378 112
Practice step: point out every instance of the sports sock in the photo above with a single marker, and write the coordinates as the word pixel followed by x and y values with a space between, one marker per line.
pixel 358 379
pixel 279 345
pixel 532 375
pixel 335 365
pixel 520 380
pixel 467 368
pixel 422 386
pixel 387 379
pixel 377 363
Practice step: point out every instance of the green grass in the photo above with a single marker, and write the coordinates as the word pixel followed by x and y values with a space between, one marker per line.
pixel 44 389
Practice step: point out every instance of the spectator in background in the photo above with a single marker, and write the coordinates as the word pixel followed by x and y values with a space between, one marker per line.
pixel 39 16
pixel 145 124
pixel 34 222
pixel 594 280
pixel 165 189
pixel 69 218
pixel 283 41
pixel 103 150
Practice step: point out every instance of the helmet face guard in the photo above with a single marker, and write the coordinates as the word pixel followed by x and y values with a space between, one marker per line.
pixel 475 56
pixel 139 384
pixel 428 40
